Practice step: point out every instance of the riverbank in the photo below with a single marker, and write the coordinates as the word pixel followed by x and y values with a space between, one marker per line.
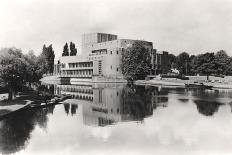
pixel 9 107
pixel 28 100
pixel 213 82
pixel 22 101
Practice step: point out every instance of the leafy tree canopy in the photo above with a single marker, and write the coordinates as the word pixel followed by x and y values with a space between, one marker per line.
pixel 135 61
pixel 18 70
pixel 13 69
pixel 181 62
pixel 65 50
pixel 73 49
pixel 46 60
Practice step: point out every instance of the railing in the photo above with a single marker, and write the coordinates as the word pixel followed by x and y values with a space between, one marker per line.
pixel 48 74
pixel 81 76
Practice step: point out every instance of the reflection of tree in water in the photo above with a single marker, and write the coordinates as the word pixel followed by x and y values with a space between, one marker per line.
pixel 207 108
pixel 74 109
pixel 15 130
pixel 230 104
pixel 66 108
pixel 136 102
pixel 184 100
pixel 42 119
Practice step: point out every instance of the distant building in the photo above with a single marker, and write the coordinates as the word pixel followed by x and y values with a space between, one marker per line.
pixel 160 62
pixel 101 59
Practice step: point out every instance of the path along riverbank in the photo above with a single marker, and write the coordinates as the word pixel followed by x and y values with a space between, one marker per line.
pixel 30 101
pixel 9 107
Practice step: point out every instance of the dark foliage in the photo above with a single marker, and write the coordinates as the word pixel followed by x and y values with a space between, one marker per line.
pixel 65 50
pixel 73 50
pixel 135 62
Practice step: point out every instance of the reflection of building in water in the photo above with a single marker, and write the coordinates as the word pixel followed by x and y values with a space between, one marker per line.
pixel 76 91
pixel 159 97
pixel 103 105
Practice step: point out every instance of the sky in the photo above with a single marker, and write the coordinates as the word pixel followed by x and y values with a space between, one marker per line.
pixel 193 26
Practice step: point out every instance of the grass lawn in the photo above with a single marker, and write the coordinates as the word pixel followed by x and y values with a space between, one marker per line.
pixel 20 99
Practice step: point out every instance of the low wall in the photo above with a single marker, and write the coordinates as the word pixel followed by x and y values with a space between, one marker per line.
pixel 98 79
pixel 213 78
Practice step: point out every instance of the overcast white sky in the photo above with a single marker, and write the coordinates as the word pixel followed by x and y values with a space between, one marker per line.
pixel 194 26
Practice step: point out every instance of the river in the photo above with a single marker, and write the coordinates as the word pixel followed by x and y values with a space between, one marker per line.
pixel 125 119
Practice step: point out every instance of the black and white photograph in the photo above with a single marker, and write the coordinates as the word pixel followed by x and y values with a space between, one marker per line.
pixel 115 77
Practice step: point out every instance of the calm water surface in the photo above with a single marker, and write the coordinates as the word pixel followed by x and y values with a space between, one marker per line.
pixel 113 119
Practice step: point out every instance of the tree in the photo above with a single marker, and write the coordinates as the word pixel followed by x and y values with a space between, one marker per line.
pixel 191 64
pixel 13 70
pixel 182 63
pixel 32 67
pixel 42 65
pixel 73 50
pixel 205 64
pixel 221 61
pixel 46 60
pixel 172 61
pixel 50 58
pixel 228 70
pixel 136 62
pixel 65 50
pixel 18 70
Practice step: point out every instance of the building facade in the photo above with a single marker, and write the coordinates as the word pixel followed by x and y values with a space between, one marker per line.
pixel 101 58
pixel 160 62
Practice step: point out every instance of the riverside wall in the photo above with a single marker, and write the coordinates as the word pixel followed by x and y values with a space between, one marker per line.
pixel 212 78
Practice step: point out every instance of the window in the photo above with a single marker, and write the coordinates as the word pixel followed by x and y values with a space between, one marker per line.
pixel 117 69
pixel 100 96
pixel 110 52
pixel 99 67
pixel 111 67
pixel 117 52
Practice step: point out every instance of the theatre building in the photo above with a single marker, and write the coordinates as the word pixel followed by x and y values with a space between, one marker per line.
pixel 100 60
